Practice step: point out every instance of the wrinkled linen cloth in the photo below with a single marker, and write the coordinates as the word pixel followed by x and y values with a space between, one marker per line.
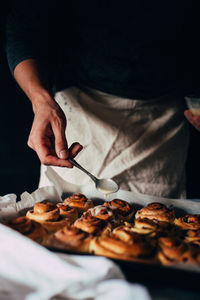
pixel 142 145
pixel 31 272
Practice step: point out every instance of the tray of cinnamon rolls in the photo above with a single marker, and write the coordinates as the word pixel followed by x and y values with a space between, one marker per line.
pixel 143 239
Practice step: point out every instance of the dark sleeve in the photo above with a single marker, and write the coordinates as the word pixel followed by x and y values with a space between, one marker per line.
pixel 4 8
pixel 27 33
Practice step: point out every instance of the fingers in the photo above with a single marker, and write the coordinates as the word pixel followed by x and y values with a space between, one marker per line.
pixel 74 149
pixel 47 154
pixel 61 147
pixel 193 119
pixel 47 137
pixel 42 145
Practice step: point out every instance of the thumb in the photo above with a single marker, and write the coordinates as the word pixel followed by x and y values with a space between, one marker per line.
pixel 61 147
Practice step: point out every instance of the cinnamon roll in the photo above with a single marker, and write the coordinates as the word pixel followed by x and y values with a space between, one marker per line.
pixel 131 246
pixel 188 222
pixel 70 238
pixel 171 250
pixel 104 213
pixel 154 228
pixel 122 209
pixel 47 214
pixel 145 226
pixel 28 228
pixel 192 236
pixel 67 212
pixel 92 225
pixel 79 201
pixel 156 211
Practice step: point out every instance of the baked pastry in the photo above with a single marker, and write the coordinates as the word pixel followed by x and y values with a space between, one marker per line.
pixel 122 209
pixel 156 211
pixel 47 214
pixel 70 238
pixel 188 222
pixel 155 228
pixel 79 201
pixel 172 250
pixel 192 236
pixel 28 228
pixel 127 234
pixel 135 248
pixel 67 212
pixel 104 213
pixel 145 226
pixel 92 225
pixel 125 244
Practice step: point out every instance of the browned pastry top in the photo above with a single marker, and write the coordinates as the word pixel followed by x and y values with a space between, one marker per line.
pixel 20 224
pixel 156 211
pixel 192 236
pixel 73 236
pixel 171 250
pixel 90 224
pixel 102 212
pixel 145 223
pixel 122 207
pixel 134 246
pixel 79 201
pixel 28 228
pixel 44 211
pixel 188 222
pixel 67 211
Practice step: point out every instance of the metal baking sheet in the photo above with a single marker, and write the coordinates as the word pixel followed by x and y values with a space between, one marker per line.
pixel 153 274
pixel 177 274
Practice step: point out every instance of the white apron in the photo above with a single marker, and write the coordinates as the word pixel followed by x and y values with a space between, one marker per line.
pixel 140 144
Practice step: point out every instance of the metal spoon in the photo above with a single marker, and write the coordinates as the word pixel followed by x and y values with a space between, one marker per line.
pixel 105 186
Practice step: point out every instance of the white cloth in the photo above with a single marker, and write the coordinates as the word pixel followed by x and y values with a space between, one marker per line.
pixel 29 271
pixel 140 144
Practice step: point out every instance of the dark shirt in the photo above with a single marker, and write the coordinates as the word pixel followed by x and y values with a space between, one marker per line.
pixel 136 49
pixel 4 8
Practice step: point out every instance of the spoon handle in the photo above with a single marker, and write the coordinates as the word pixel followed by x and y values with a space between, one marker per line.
pixel 74 163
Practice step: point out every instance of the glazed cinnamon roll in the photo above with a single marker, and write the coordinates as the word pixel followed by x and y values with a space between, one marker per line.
pixel 47 214
pixel 79 201
pixel 188 222
pixel 104 213
pixel 171 250
pixel 28 228
pixel 131 246
pixel 122 209
pixel 92 225
pixel 156 211
pixel 70 238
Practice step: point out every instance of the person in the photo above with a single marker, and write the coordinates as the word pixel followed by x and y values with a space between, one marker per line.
pixel 116 74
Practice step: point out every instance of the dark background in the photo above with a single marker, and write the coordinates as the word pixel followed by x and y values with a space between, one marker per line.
pixel 19 165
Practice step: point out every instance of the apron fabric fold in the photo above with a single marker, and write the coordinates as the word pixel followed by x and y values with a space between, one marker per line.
pixel 140 144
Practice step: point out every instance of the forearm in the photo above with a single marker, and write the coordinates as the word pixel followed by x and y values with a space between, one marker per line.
pixel 32 79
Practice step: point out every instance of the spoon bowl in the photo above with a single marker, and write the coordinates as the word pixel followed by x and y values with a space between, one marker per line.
pixel 105 186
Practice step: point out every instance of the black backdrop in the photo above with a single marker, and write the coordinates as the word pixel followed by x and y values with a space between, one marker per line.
pixel 19 165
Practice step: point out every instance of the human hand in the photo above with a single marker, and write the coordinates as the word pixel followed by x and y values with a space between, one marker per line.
pixel 193 119
pixel 47 136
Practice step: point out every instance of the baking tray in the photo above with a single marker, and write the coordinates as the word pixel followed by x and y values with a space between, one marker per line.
pixel 152 274
pixel 184 275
